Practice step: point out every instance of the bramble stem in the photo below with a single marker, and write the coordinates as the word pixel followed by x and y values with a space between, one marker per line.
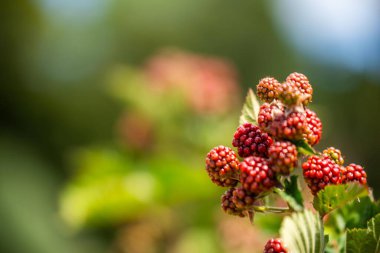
pixel 271 209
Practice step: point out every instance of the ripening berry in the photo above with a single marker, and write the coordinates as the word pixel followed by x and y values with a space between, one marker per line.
pixel 354 173
pixel 320 172
pixel 314 126
pixel 270 116
pixel 256 175
pixel 267 89
pixel 229 206
pixel 283 157
pixel 303 85
pixel 250 140
pixel 222 166
pixel 289 94
pixel 292 127
pixel 334 155
pixel 275 246
pixel 243 199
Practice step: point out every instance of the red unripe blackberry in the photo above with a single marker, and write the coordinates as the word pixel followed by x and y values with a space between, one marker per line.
pixel 256 175
pixel 354 173
pixel 269 117
pixel 303 85
pixel 267 89
pixel 314 126
pixel 229 206
pixel 320 172
pixel 289 94
pixel 283 157
pixel 250 140
pixel 275 246
pixel 334 155
pixel 243 199
pixel 222 166
pixel 292 127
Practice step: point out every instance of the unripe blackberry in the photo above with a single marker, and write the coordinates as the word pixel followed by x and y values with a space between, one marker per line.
pixel 320 172
pixel 250 140
pixel 303 85
pixel 283 157
pixel 222 166
pixel 269 117
pixel 267 89
pixel 292 127
pixel 289 94
pixel 275 246
pixel 256 175
pixel 334 155
pixel 314 126
pixel 243 199
pixel 354 173
pixel 229 206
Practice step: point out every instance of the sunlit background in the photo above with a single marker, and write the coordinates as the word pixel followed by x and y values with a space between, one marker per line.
pixel 109 107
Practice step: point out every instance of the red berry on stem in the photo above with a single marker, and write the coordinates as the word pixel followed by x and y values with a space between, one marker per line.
pixel 256 175
pixel 354 173
pixel 314 126
pixel 283 157
pixel 222 166
pixel 275 246
pixel 229 206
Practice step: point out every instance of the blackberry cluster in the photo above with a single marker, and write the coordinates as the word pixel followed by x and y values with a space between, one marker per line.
pixel 250 140
pixel 275 246
pixel 269 151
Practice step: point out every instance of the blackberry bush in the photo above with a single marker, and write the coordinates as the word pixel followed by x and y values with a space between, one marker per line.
pixel 272 140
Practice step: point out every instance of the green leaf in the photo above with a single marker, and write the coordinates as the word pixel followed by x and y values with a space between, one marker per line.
pixel 292 193
pixel 364 240
pixel 304 148
pixel 303 233
pixel 336 196
pixel 250 109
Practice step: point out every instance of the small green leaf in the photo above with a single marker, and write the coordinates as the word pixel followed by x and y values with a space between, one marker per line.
pixel 303 233
pixel 292 193
pixel 304 148
pixel 336 196
pixel 250 109
pixel 364 240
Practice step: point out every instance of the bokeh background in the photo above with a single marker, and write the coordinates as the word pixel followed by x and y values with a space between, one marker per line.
pixel 109 107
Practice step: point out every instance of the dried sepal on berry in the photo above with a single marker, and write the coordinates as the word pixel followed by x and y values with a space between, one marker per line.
pixel 334 155
pixel 222 166
pixel 283 157
pixel 250 140
pixel 354 173
pixel 275 246
pixel 256 175
pixel 267 89
pixel 319 172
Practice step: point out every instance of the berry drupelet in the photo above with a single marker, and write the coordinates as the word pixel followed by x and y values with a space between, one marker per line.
pixel 250 140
